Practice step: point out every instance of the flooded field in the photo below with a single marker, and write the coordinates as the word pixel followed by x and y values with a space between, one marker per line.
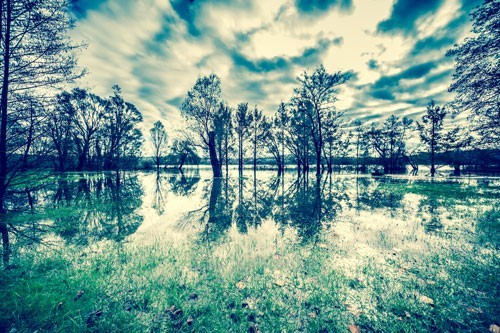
pixel 186 252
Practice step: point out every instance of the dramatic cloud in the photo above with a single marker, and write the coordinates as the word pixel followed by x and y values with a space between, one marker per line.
pixel 406 13
pixel 155 50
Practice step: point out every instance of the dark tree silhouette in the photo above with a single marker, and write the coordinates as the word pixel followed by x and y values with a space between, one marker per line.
pixel 223 132
pixel 477 78
pixel 242 121
pixel 120 136
pixel 159 141
pixel 35 55
pixel 200 109
pixel 389 142
pixel 274 137
pixel 257 130
pixel 455 141
pixel 60 125
pixel 317 94
pixel 87 112
pixel 184 152
pixel 332 137
pixel 431 131
pixel 298 138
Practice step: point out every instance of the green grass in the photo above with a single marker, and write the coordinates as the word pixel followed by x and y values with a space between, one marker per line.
pixel 237 285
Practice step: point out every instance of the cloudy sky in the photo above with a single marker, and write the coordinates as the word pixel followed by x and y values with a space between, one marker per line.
pixel 155 50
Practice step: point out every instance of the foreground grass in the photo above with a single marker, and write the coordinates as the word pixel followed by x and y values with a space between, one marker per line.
pixel 243 286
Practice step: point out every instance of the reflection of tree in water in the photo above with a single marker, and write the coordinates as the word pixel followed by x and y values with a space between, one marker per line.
pixel 104 207
pixel 92 208
pixel 430 205
pixel 375 194
pixel 184 183
pixel 216 215
pixel 309 205
pixel 158 196
pixel 305 205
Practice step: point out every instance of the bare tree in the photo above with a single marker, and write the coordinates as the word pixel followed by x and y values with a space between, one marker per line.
pixel 159 141
pixel 120 135
pixel 35 54
pixel 87 111
pixel 431 131
pixel 223 132
pixel 241 126
pixel 389 141
pixel 257 131
pixel 317 94
pixel 200 108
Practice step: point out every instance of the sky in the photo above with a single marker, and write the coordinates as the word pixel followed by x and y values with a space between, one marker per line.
pixel 156 49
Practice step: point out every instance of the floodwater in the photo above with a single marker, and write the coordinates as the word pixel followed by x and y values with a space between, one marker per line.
pixel 396 253
pixel 365 214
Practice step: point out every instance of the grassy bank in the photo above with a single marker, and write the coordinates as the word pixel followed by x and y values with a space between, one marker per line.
pixel 250 286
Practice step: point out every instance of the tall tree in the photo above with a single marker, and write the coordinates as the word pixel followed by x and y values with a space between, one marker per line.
pixel 273 131
pixel 223 131
pixel 431 131
pixel 257 130
pixel 279 123
pixel 297 137
pixel 242 121
pixel 60 126
pixel 477 77
pixel 389 141
pixel 317 94
pixel 35 54
pixel 87 111
pixel 159 141
pixel 121 137
pixel 455 141
pixel 200 108
pixel 332 137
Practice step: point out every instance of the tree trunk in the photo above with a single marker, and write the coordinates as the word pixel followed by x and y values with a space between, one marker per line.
pixel 255 155
pixel 456 169
pixel 214 161
pixel 318 161
pixel 182 161
pixel 226 154
pixel 3 130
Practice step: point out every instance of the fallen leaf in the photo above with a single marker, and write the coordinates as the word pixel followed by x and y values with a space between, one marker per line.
pixel 426 300
pixel 354 329
pixel 240 285
pixel 474 310
pixel 494 328
pixel 322 245
pixel 354 310
pixel 312 315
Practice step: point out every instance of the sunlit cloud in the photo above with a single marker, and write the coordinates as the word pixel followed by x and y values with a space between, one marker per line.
pixel 155 50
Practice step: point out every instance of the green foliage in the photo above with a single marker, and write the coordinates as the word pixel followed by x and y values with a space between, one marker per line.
pixel 476 80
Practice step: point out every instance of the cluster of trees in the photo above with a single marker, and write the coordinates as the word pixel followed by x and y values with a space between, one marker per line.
pixel 87 132
pixel 80 130
pixel 309 125
pixel 310 128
